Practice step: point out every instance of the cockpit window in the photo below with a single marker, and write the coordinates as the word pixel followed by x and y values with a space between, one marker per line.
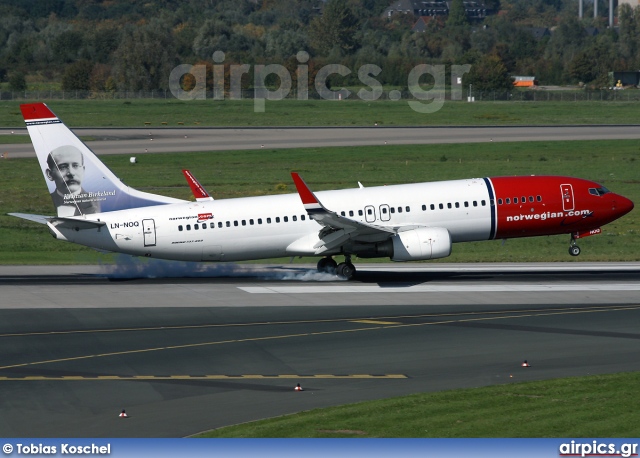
pixel 601 191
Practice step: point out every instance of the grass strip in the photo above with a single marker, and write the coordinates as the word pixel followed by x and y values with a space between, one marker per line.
pixel 193 113
pixel 595 406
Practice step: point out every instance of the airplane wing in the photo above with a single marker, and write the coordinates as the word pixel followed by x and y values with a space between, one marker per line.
pixel 338 229
pixel 197 189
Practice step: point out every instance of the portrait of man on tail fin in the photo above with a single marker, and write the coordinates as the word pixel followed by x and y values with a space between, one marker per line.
pixel 66 168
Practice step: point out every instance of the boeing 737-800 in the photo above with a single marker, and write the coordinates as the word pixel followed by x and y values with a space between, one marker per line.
pixel 407 222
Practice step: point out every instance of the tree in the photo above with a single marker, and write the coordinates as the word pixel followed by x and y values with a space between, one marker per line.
pixel 488 73
pixel 77 76
pixel 457 14
pixel 145 57
pixel 17 81
pixel 336 28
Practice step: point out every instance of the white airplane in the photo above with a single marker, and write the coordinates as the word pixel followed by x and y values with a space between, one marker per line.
pixel 408 222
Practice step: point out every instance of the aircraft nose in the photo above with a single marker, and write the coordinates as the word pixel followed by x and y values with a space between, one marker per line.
pixel 622 205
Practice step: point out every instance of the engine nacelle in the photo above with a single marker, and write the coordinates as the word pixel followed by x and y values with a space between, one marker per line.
pixel 421 244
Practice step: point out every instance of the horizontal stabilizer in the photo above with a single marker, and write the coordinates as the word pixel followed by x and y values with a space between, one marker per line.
pixel 77 224
pixel 40 219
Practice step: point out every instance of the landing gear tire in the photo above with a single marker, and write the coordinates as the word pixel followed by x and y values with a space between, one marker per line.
pixel 574 250
pixel 327 265
pixel 346 270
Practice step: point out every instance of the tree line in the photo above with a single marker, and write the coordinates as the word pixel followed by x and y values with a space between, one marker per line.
pixel 134 44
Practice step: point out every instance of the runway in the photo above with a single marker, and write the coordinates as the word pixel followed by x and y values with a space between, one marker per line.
pixel 228 343
pixel 136 141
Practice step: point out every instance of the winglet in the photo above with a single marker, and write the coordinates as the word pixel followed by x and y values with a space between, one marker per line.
pixel 196 188
pixel 36 111
pixel 309 200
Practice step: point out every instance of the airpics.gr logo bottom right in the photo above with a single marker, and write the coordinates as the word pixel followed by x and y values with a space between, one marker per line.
pixel 596 448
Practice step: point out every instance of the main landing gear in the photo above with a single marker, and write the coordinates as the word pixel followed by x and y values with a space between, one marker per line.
pixel 344 270
pixel 574 250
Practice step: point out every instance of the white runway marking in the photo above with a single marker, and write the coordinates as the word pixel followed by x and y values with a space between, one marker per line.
pixel 448 288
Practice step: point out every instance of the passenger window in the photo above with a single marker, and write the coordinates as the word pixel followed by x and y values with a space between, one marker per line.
pixel 457 205
pixel 466 204
pixel 180 228
pixel 539 198
pixel 259 220
pixel 196 227
pixel 360 213
pixel 369 211
pixel 523 200
pixel 384 210
pixel 441 206
pixel 286 219
pixel 251 222
pixel 302 218
pixel 295 218
pixel 407 209
pixel 212 225
pixel 475 203
pixel 399 209
pixel 268 220
pixel 508 200
pixel 204 225
pixel 343 213
pixel 220 224
pixel 492 203
pixel 484 203
pixel 188 227
pixel 244 222
pixel 228 223
pixel 235 223
pixel 530 198
pixel 449 205
pixel 424 207
pixel 433 207
pixel 277 219
pixel 392 210
pixel 350 212
pixel 515 200
pixel 499 201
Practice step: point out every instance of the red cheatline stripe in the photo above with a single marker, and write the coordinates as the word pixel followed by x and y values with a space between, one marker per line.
pixel 306 195
pixel 32 111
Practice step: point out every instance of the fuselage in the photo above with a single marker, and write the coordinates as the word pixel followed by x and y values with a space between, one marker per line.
pixel 275 226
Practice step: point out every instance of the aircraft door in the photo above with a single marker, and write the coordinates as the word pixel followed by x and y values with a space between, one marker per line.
pixel 567 197
pixel 370 214
pixel 385 214
pixel 149 231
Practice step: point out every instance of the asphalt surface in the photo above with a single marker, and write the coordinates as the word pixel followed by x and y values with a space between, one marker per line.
pixel 166 140
pixel 224 346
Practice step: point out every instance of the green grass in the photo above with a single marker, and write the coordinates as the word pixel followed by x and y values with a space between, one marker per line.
pixel 262 172
pixel 14 139
pixel 597 406
pixel 134 113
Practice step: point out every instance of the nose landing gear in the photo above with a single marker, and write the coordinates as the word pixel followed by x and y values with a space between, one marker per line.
pixel 574 250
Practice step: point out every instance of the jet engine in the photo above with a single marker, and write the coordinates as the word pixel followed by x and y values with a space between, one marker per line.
pixel 412 245
pixel 420 244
